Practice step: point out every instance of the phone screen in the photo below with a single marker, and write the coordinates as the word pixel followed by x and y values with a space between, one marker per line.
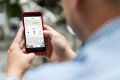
pixel 34 32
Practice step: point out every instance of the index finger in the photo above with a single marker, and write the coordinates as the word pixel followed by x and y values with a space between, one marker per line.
pixel 46 27
pixel 19 35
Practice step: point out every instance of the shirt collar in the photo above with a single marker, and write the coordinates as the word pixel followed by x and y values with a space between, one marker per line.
pixel 104 30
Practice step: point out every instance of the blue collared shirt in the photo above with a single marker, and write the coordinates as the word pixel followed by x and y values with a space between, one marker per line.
pixel 99 59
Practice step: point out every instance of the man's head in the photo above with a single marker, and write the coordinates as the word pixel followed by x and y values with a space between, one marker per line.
pixel 85 16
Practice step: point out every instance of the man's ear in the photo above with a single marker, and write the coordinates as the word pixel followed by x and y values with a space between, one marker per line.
pixel 77 4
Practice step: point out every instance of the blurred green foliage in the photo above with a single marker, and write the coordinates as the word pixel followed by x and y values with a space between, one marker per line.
pixel 52 5
pixel 49 3
pixel 13 10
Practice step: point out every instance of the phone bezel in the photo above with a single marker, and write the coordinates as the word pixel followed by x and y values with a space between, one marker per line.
pixel 39 50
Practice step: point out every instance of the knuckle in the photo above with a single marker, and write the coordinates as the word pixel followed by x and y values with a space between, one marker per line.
pixel 10 50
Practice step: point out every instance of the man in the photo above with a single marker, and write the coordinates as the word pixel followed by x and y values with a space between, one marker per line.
pixel 97 23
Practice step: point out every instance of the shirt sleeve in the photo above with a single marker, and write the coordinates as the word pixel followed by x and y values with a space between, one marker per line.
pixel 11 78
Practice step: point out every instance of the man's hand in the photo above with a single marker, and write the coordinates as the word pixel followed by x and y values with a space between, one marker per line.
pixel 61 49
pixel 18 62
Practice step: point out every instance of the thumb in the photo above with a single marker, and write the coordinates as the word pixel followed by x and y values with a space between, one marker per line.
pixel 31 56
pixel 47 33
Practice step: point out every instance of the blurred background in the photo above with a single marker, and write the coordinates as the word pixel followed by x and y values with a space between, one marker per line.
pixel 10 21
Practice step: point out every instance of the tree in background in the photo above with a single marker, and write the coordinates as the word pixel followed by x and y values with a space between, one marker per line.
pixel 13 10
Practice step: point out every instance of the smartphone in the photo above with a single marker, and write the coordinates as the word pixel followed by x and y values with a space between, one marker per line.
pixel 33 32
